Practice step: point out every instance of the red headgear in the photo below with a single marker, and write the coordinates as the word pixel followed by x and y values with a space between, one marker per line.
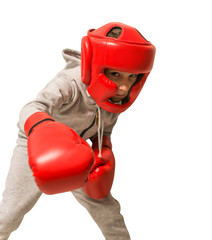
pixel 130 52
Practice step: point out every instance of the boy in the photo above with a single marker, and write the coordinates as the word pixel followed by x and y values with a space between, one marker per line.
pixel 82 102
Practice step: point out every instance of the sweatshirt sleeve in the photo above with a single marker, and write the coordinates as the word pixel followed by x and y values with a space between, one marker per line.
pixel 57 92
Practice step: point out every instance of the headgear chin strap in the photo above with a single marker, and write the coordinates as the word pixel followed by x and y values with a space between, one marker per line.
pixel 130 52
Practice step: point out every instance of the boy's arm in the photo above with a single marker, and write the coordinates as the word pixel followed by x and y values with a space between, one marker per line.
pixel 57 92
pixel 59 158
pixel 101 177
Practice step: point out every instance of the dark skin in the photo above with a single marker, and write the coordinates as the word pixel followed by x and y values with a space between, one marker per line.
pixel 124 82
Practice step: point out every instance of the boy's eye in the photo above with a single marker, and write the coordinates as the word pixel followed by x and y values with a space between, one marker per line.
pixel 115 74
pixel 133 76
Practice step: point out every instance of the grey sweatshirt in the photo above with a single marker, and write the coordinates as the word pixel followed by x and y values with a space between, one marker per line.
pixel 66 99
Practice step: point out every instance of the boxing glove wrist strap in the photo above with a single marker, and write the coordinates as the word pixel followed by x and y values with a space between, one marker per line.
pixel 47 119
pixel 34 120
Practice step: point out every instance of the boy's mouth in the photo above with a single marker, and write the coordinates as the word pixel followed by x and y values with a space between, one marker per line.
pixel 118 97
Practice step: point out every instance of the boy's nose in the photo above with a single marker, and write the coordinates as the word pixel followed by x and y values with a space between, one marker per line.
pixel 124 86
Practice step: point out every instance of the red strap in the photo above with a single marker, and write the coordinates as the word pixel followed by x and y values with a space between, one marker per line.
pixel 34 119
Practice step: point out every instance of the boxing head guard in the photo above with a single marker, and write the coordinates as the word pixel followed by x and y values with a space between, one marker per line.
pixel 130 52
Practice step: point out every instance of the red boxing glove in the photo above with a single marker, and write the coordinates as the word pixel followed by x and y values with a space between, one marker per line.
pixel 101 177
pixel 59 158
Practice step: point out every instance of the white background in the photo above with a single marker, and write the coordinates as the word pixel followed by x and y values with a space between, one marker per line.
pixel 162 143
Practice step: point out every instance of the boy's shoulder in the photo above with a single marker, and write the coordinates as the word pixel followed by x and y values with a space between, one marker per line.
pixel 72 71
pixel 72 58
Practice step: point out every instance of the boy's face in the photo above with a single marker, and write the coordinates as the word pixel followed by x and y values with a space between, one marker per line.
pixel 124 82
